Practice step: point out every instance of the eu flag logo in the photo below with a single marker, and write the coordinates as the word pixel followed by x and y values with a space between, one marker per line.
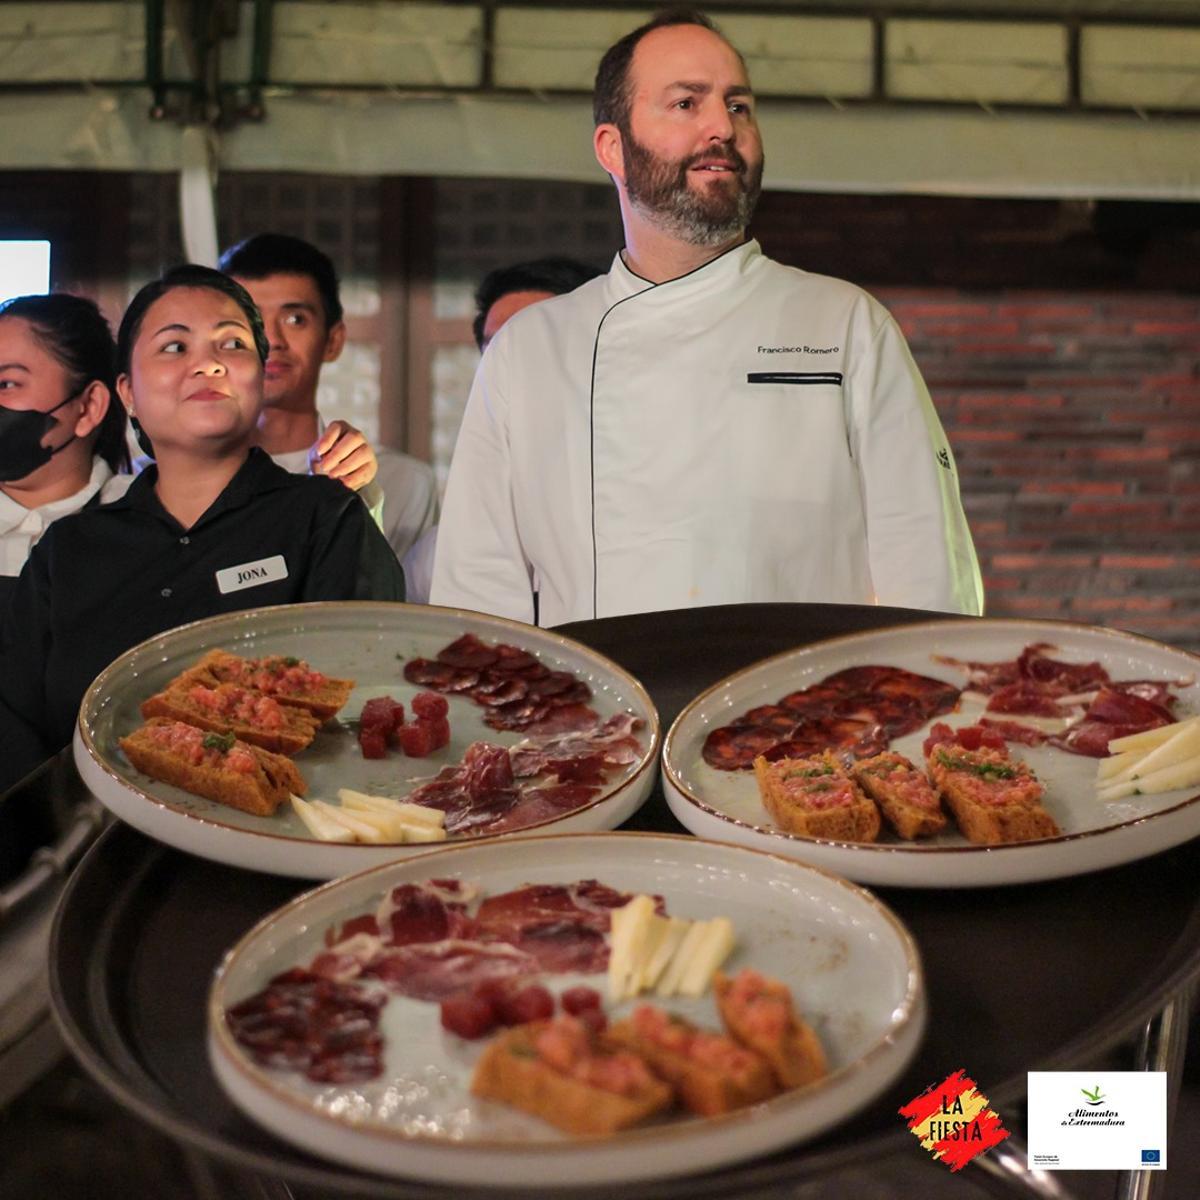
pixel 1151 1156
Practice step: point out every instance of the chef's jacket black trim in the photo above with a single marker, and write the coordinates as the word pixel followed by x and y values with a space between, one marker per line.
pixel 797 377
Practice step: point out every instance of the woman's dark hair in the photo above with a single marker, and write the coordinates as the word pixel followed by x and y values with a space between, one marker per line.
pixel 267 254
pixel 75 332
pixel 188 276
pixel 610 96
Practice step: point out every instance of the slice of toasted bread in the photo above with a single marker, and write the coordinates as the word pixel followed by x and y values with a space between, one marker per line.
pixel 227 708
pixel 758 1012
pixel 903 794
pixel 216 766
pixel 711 1073
pixel 994 798
pixel 512 1070
pixel 817 798
pixel 288 680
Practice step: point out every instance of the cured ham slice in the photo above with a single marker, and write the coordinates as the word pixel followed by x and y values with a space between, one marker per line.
pixel 435 970
pixel 562 925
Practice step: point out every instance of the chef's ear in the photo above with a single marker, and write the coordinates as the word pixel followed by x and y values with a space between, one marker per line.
pixel 610 150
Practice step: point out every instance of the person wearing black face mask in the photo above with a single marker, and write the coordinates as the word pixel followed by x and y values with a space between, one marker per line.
pixel 62 431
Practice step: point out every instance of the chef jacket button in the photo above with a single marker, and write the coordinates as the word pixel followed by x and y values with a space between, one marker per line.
pixel 166 592
pixel 185 540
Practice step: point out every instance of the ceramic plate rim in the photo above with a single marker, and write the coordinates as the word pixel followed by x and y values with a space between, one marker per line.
pixel 784 835
pixel 101 762
pixel 911 1010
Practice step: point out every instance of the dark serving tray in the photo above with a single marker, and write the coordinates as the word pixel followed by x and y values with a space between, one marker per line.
pixel 1040 976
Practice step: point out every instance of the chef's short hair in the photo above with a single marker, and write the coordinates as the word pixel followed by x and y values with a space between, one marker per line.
pixel 554 275
pixel 611 99
pixel 266 254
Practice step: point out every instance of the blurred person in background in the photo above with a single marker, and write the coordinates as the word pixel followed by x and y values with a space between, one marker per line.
pixel 62 429
pixel 296 289
pixel 211 526
pixel 501 294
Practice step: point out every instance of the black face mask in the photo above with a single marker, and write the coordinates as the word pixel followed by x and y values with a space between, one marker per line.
pixel 21 433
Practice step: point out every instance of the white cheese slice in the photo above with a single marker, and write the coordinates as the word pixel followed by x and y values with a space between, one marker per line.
pixel 629 928
pixel 672 977
pixel 715 945
pixel 668 933
pixel 1148 738
pixel 414 814
pixel 362 830
pixel 318 825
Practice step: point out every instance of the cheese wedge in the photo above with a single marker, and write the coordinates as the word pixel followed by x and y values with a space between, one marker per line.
pixel 362 830
pixel 629 929
pixel 672 977
pixel 1149 738
pixel 413 814
pixel 714 947
pixel 666 935
pixel 319 825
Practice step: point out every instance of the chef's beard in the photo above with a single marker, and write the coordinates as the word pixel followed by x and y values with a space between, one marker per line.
pixel 659 189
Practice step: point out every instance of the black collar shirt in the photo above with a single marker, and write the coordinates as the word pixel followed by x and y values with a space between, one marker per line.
pixel 105 579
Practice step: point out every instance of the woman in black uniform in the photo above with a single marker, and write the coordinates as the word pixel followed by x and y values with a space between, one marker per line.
pixel 213 526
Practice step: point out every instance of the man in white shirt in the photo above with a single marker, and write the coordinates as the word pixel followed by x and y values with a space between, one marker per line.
pixel 295 288
pixel 702 425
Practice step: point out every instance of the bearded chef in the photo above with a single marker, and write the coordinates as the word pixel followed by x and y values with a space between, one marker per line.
pixel 701 425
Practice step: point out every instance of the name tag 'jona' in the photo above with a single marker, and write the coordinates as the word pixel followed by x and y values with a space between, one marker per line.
pixel 252 574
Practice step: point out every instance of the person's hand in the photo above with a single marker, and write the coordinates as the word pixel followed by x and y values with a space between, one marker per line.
pixel 342 453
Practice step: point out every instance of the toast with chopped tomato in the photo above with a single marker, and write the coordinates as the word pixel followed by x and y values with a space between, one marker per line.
pixel 213 765
pixel 909 805
pixel 711 1073
pixel 228 708
pixel 995 799
pixel 758 1012
pixel 284 678
pixel 816 797
pixel 565 1073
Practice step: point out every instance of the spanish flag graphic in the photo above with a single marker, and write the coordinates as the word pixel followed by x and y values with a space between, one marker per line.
pixel 953 1121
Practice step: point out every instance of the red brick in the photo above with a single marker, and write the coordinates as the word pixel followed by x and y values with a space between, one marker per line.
pixel 1110 604
pixel 1015 562
pixel 1147 562
pixel 1006 400
pixel 1025 606
pixel 1133 454
pixel 1001 350
pixel 1073 487
pixel 1156 383
pixel 948 308
pixel 1174 433
pixel 999 583
pixel 1119 508
pixel 1168 328
pixel 1047 310
pixel 986 435
pixel 943 328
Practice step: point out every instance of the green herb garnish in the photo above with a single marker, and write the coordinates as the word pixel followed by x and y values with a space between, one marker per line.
pixel 219 741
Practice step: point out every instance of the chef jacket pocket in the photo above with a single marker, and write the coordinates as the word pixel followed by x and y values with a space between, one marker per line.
pixel 796 377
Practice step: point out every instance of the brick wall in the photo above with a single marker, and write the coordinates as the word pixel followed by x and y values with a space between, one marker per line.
pixel 1061 344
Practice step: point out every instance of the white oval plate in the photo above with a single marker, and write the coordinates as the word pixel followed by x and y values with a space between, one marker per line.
pixel 725 805
pixel 366 642
pixel 853 970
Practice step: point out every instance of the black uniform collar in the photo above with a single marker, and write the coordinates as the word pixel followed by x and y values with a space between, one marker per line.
pixel 258 474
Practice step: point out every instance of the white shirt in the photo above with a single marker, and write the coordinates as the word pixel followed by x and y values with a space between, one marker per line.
pixel 747 432
pixel 21 527
pixel 402 498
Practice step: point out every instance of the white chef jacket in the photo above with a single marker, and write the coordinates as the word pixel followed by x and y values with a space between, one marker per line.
pixel 402 498
pixel 747 432
pixel 21 527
